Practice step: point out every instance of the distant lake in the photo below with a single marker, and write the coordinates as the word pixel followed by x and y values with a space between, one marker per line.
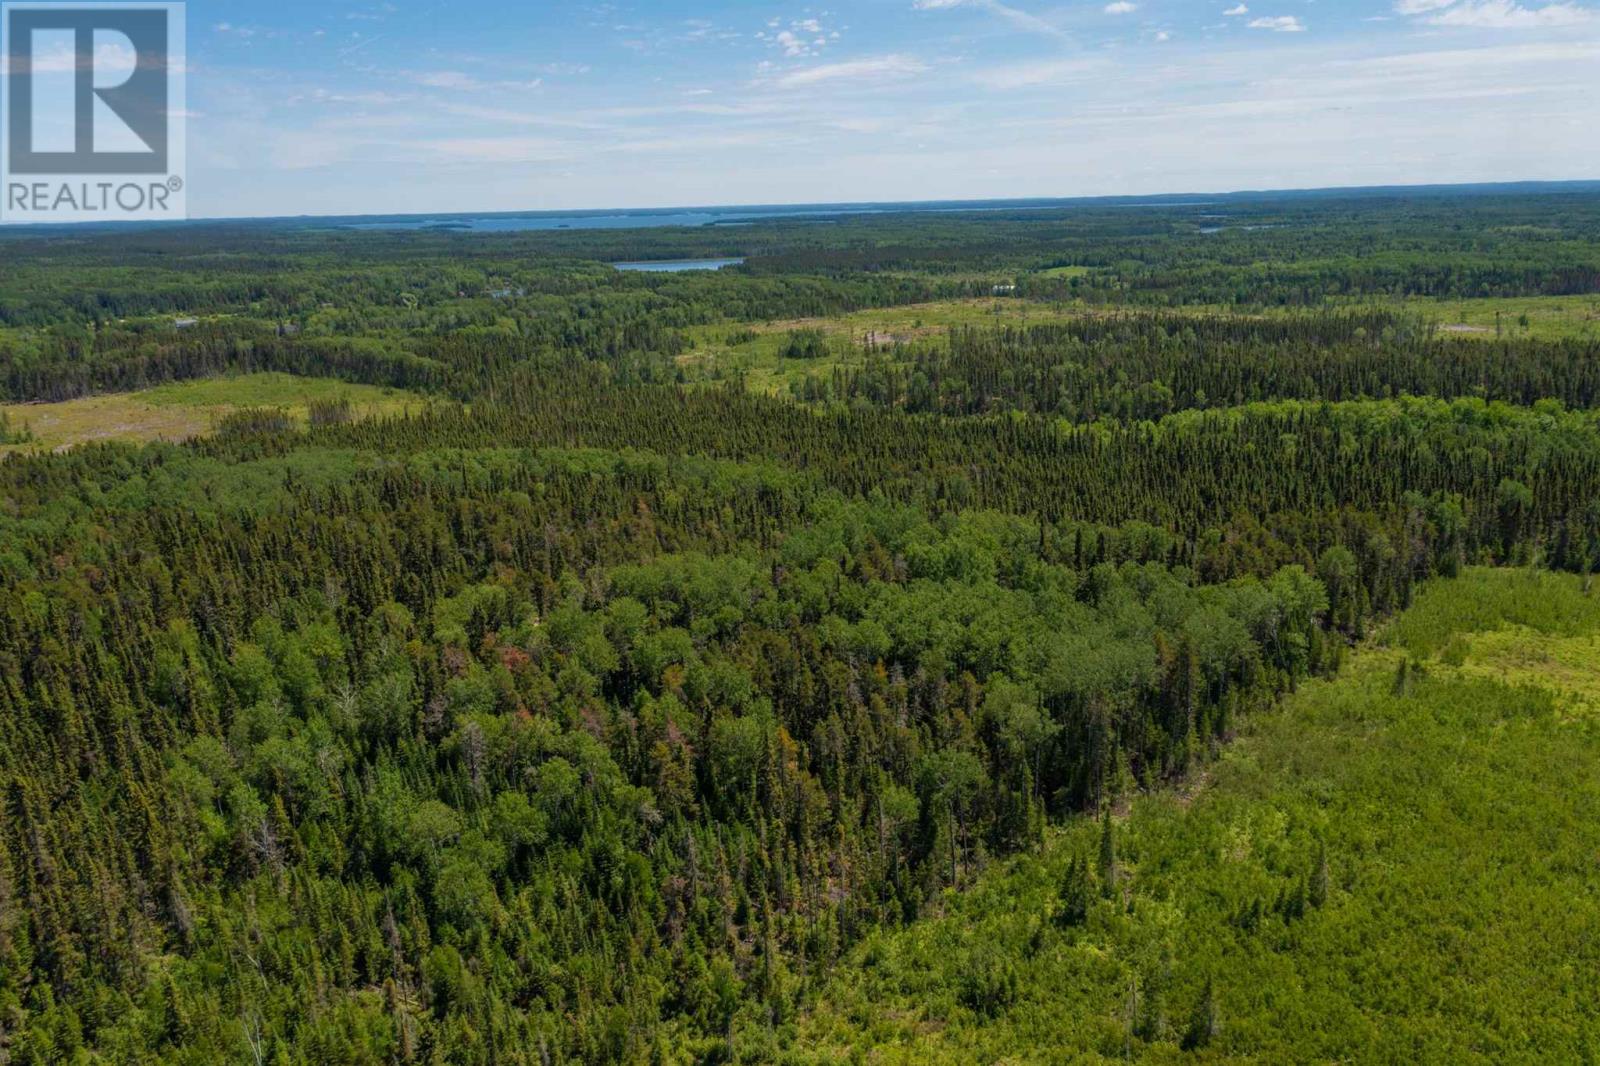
pixel 678 266
pixel 1210 230
pixel 653 219
pixel 696 217
pixel 604 221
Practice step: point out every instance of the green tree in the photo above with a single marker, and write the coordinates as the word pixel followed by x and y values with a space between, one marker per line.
pixel 1108 855
pixel 1072 909
pixel 1205 1023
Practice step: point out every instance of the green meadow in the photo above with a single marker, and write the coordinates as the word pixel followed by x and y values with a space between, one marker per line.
pixel 187 409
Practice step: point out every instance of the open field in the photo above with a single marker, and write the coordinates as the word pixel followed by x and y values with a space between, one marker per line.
pixel 188 409
pixel 1067 272
pixel 1453 799
pixel 757 350
pixel 1542 317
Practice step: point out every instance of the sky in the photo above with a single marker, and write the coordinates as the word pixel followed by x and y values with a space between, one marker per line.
pixel 315 107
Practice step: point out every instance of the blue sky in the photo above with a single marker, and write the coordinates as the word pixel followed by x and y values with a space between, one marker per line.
pixel 300 107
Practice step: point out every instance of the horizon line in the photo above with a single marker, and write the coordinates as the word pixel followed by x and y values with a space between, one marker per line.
pixel 907 206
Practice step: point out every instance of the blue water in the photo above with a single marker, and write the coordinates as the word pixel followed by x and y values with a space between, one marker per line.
pixel 620 220
pixel 1210 230
pixel 693 217
pixel 678 266
pixel 707 216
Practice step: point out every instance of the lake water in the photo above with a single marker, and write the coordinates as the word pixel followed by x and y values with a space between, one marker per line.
pixel 603 221
pixel 545 221
pixel 678 266
pixel 692 217
pixel 1210 230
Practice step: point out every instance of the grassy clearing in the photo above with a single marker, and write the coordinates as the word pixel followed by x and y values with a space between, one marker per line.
pixel 1067 272
pixel 756 350
pixel 1489 601
pixel 1455 802
pixel 1540 317
pixel 188 409
pixel 1569 666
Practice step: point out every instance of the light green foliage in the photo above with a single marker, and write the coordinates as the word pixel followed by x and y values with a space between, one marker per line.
pixel 1362 877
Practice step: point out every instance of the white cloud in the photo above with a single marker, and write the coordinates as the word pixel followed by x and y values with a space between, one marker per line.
pixel 1507 15
pixel 1419 7
pixel 880 68
pixel 1279 24
pixel 459 82
pixel 791 44
pixel 1235 12
pixel 109 59
pixel 800 39
pixel 1121 7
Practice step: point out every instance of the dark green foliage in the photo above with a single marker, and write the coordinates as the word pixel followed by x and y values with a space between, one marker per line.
pixel 1108 855
pixel 1205 1024
pixel 1077 890
pixel 805 344
pixel 590 700
pixel 1317 893
pixel 1146 366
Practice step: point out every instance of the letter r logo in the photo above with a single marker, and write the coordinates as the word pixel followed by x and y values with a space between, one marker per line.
pixel 87 89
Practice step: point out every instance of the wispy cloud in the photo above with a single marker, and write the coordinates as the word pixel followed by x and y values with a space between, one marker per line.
pixel 1017 17
pixel 456 80
pixel 1279 24
pixel 1049 72
pixel 879 68
pixel 1495 14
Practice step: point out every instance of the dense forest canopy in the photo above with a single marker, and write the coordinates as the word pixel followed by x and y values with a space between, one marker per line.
pixel 595 709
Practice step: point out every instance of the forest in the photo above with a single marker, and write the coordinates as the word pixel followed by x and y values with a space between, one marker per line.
pixel 1041 634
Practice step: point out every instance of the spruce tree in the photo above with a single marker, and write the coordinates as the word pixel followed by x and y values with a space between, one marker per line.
pixel 1075 892
pixel 1108 856
pixel 1319 879
pixel 1205 1023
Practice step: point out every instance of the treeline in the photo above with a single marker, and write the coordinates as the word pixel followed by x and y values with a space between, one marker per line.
pixel 1282 476
pixel 392 289
pixel 123 360
pixel 443 338
pixel 1146 366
